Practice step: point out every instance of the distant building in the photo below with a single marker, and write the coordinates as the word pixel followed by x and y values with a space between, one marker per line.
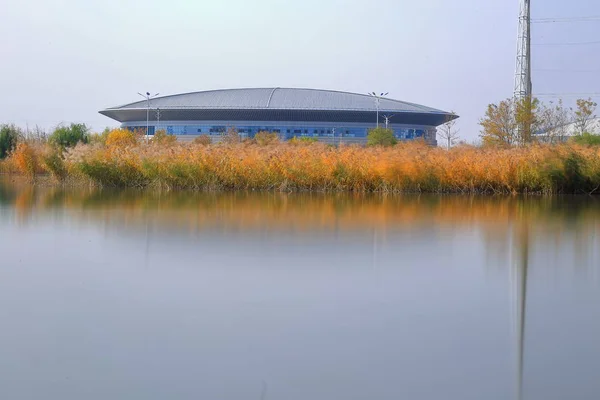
pixel 326 115
pixel 565 132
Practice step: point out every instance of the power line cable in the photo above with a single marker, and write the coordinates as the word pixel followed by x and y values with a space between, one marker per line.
pixel 567 94
pixel 567 43
pixel 565 20
pixel 566 70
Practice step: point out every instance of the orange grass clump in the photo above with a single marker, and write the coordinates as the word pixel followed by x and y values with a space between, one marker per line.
pixel 26 159
pixel 121 138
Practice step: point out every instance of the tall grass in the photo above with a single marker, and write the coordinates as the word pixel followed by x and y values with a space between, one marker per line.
pixel 407 167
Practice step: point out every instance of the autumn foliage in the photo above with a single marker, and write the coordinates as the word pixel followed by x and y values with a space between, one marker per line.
pixel 121 138
pixel 124 161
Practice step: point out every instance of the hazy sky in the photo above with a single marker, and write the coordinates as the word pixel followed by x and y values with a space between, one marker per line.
pixel 64 60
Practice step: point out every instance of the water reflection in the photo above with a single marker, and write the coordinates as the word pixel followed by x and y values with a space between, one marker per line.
pixel 504 223
pixel 467 297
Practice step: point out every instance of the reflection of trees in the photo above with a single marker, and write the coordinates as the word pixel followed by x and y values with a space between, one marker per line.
pixel 7 195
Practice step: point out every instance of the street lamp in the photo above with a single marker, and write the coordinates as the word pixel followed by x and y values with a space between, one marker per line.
pixel 377 101
pixel 147 96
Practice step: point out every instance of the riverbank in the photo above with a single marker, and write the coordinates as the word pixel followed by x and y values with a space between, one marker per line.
pixel 405 168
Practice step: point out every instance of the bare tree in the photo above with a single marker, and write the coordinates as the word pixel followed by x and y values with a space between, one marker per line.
pixel 584 114
pixel 232 136
pixel 553 122
pixel 448 131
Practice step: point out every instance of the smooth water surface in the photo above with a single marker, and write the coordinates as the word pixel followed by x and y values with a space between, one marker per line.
pixel 297 296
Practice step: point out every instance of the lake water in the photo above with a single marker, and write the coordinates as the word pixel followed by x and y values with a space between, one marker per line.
pixel 126 295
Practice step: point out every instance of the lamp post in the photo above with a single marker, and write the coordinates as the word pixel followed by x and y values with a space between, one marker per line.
pixel 377 101
pixel 147 96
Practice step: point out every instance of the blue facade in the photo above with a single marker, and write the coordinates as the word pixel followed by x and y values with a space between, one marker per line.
pixel 285 132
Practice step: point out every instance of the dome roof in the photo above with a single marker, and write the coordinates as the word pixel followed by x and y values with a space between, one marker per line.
pixel 278 99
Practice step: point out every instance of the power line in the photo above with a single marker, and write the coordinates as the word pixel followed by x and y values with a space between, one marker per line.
pixel 565 20
pixel 567 94
pixel 567 43
pixel 566 70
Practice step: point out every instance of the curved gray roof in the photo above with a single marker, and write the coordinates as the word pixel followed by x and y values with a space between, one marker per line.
pixel 278 99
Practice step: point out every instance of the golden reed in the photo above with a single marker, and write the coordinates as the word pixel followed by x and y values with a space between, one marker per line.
pixel 407 167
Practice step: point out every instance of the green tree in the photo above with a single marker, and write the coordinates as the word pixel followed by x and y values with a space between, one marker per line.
pixel 69 136
pixel 9 135
pixel 381 137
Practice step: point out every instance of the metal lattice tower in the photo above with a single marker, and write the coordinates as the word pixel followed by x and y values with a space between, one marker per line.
pixel 523 86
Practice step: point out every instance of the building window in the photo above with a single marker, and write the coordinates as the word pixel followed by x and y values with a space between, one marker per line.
pixel 316 131
pixel 298 131
pixel 199 130
pixel 217 129
pixel 306 131
pixel 288 131
pixel 322 131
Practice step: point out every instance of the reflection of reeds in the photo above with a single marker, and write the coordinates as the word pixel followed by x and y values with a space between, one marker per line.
pixel 309 211
pixel 409 167
pixel 553 221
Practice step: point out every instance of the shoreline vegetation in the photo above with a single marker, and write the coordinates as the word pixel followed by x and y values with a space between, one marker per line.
pixel 124 159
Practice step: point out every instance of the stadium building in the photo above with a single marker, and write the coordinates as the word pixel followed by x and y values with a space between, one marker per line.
pixel 328 116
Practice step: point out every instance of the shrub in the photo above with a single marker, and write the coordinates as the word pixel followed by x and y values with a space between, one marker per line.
pixel 69 136
pixel 161 138
pixel 302 140
pixel 9 135
pixel 587 139
pixel 121 138
pixel 99 138
pixel 25 159
pixel 381 137
pixel 55 164
pixel 203 140
pixel 265 138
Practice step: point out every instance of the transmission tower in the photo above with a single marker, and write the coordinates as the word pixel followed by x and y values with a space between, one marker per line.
pixel 523 86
